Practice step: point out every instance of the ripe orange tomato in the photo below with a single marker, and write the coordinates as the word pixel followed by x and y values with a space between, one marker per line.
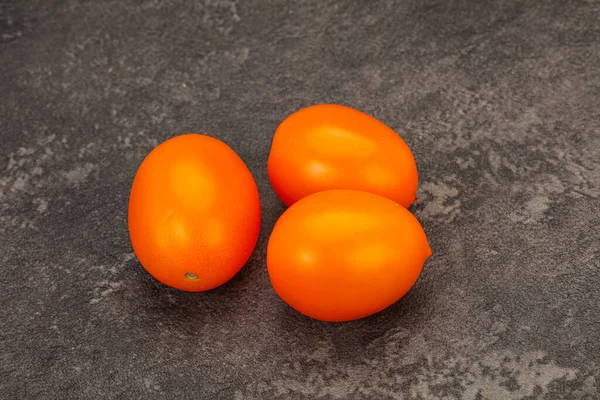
pixel 330 146
pixel 194 213
pixel 340 255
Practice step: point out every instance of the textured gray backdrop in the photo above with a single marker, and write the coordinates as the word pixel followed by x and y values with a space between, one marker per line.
pixel 499 101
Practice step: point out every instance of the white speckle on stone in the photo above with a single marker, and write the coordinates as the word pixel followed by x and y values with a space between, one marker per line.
pixel 42 205
pixel 19 183
pixel 79 174
pixel 590 386
pixel 443 203
pixel 11 162
pixel 22 151
pixel 104 289
pixel 151 385
pixel 238 395
pixel 495 160
pixel 44 141
pixel 537 206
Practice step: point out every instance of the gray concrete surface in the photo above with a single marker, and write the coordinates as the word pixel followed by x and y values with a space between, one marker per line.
pixel 499 101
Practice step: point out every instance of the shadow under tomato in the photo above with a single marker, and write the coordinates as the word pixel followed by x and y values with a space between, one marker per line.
pixel 169 302
pixel 350 340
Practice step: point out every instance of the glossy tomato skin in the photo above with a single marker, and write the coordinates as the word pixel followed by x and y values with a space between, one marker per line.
pixel 329 146
pixel 341 255
pixel 194 213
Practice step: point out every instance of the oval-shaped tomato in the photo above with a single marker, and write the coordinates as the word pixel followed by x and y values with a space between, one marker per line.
pixel 340 255
pixel 194 213
pixel 330 146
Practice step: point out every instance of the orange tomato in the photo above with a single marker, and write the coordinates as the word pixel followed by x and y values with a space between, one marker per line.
pixel 194 213
pixel 340 255
pixel 331 146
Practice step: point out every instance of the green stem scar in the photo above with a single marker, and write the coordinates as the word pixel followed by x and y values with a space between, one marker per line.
pixel 191 276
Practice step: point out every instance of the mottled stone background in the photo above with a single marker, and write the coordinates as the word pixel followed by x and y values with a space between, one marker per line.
pixel 499 101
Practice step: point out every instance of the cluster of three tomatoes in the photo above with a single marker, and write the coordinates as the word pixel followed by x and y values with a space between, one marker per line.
pixel 347 247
